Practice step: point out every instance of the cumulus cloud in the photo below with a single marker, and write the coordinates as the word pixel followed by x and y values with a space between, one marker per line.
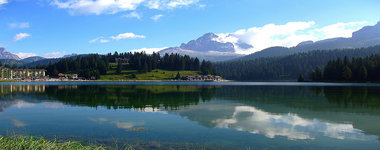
pixel 156 17
pixel 114 6
pixel 3 2
pixel 148 50
pixel 132 15
pixel 20 36
pixel 127 36
pixel 287 35
pixel 56 54
pixel 21 25
pixel 25 55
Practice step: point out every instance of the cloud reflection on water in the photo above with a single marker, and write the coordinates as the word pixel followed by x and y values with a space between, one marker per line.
pixel 292 126
pixel 18 123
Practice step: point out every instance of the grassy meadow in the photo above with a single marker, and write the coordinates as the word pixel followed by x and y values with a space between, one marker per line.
pixel 156 74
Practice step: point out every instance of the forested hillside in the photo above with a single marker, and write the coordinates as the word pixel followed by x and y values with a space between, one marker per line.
pixel 286 67
pixel 96 65
pixel 357 70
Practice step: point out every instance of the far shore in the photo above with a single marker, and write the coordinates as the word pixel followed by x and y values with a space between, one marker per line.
pixel 112 81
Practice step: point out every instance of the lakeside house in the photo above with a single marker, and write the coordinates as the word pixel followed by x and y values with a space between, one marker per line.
pixel 7 73
pixel 67 76
pixel 204 78
pixel 122 60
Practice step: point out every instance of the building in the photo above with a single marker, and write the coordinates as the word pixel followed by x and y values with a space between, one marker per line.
pixel 204 78
pixel 7 73
pixel 122 60
pixel 67 76
pixel 28 73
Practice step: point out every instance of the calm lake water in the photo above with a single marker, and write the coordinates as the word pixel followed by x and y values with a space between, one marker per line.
pixel 194 115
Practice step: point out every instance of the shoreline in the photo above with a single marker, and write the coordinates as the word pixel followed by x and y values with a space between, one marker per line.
pixel 114 81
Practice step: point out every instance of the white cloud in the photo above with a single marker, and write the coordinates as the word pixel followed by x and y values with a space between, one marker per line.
pixel 99 39
pixel 114 6
pixel 156 17
pixel 148 50
pixel 25 55
pixel 56 54
pixel 20 36
pixel 3 2
pixel 341 29
pixel 169 4
pixel 180 3
pixel 132 15
pixel 127 36
pixel 287 35
pixel 21 25
pixel 97 6
pixel 117 37
pixel 103 41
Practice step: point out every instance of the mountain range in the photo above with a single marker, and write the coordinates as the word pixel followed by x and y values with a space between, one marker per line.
pixel 209 48
pixel 205 47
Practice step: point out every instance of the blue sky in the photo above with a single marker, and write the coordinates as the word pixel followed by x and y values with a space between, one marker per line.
pixel 52 28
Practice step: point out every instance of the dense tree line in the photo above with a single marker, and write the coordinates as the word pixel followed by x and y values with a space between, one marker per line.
pixel 356 69
pixel 87 66
pixel 95 65
pixel 286 67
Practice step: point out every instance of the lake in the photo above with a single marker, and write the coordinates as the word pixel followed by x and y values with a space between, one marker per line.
pixel 195 115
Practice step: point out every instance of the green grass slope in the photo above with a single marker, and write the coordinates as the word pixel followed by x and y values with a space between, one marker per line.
pixel 156 74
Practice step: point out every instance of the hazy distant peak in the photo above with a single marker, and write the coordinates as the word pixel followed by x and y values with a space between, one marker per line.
pixel 368 32
pixel 305 43
pixel 70 55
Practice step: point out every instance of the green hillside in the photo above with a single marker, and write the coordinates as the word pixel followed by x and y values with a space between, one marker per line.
pixel 156 74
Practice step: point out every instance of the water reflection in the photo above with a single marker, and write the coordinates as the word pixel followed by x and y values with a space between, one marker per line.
pixel 296 113
pixel 292 126
pixel 18 123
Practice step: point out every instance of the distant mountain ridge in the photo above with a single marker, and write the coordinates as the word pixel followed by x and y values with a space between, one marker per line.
pixel 365 37
pixel 32 59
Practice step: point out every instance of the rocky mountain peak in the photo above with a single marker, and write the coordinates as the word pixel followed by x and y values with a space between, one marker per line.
pixel 7 55
pixel 207 43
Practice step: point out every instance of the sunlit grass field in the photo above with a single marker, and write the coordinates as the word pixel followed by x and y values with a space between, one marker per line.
pixel 32 143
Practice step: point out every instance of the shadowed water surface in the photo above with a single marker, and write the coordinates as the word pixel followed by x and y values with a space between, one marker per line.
pixel 193 115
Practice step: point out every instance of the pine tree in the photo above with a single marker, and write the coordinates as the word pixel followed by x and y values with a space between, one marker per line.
pixel 178 76
pixel 118 69
pixel 300 78
pixel 363 74
pixel 347 74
